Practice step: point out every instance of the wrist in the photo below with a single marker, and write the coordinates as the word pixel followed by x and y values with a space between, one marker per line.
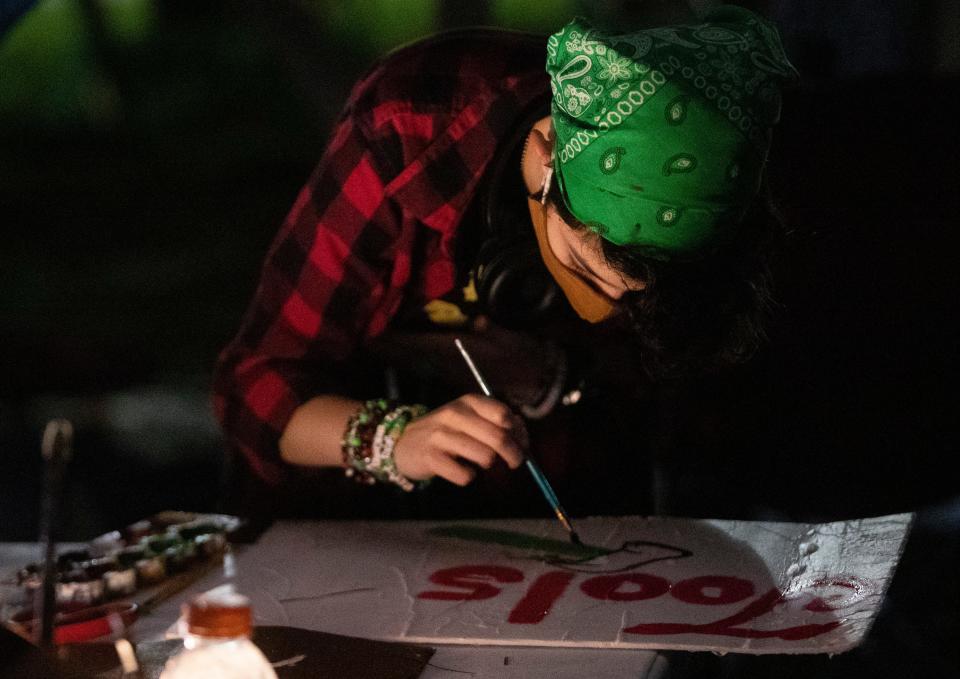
pixel 370 441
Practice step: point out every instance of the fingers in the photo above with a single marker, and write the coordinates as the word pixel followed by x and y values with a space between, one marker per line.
pixel 445 466
pixel 473 429
pixel 465 446
pixel 491 423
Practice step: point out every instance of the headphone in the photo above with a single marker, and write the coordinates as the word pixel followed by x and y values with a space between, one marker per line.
pixel 513 284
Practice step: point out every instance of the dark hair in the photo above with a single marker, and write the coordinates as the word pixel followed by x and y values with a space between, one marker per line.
pixel 698 316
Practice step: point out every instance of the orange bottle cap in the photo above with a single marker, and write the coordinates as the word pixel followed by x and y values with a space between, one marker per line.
pixel 219 613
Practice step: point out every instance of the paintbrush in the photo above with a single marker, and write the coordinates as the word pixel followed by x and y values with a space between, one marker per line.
pixel 534 468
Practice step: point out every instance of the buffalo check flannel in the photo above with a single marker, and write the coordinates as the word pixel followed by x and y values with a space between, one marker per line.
pixel 374 226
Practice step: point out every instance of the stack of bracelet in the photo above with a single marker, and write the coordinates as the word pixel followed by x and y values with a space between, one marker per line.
pixel 370 438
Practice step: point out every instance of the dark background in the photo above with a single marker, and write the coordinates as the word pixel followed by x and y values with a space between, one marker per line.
pixel 150 149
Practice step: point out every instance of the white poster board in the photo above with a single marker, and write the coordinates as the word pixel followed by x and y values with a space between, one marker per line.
pixel 651 583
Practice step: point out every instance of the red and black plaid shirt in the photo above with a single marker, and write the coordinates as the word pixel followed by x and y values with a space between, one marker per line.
pixel 375 225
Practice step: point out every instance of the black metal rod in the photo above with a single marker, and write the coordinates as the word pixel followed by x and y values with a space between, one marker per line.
pixel 56 449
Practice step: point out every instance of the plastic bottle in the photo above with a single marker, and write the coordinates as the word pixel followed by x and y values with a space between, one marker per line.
pixel 216 642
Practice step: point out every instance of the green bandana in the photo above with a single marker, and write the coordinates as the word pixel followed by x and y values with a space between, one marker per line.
pixel 662 134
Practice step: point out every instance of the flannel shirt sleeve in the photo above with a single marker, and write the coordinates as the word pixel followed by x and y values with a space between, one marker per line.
pixel 331 278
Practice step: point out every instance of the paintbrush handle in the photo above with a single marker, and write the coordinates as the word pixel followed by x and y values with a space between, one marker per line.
pixel 473 368
pixel 534 468
pixel 548 493
pixel 541 480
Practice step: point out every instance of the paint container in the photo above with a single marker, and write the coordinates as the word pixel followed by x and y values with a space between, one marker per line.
pixel 129 556
pixel 95 568
pixel 189 551
pixel 159 544
pixel 119 583
pixel 69 560
pixel 151 570
pixel 189 531
pixel 108 543
pixel 211 544
pixel 218 626
pixel 164 520
pixel 78 587
pixel 118 580
pixel 137 531
pixel 177 559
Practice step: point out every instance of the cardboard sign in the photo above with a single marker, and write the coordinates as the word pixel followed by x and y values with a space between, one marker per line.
pixel 652 583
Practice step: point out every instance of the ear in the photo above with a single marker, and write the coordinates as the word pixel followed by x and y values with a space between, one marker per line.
pixel 543 149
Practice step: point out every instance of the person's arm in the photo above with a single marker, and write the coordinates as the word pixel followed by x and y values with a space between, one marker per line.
pixel 333 274
pixel 327 280
pixel 471 429
pixel 312 436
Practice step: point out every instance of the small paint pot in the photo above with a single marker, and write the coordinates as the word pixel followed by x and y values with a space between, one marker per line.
pixel 159 544
pixel 189 531
pixel 177 559
pixel 188 550
pixel 105 544
pixel 129 556
pixel 137 531
pixel 77 587
pixel 68 560
pixel 95 568
pixel 73 624
pixel 211 544
pixel 120 583
pixel 151 570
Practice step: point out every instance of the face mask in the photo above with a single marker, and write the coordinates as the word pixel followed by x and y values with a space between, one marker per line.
pixel 590 304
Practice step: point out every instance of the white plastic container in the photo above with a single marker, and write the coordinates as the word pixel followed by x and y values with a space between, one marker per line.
pixel 216 642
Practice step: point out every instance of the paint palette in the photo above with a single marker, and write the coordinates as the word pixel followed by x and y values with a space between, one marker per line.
pixel 138 565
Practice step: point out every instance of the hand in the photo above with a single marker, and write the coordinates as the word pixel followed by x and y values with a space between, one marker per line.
pixel 473 429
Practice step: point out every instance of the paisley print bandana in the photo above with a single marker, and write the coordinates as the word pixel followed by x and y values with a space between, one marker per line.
pixel 662 134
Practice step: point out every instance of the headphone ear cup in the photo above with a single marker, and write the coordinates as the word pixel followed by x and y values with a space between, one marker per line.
pixel 513 285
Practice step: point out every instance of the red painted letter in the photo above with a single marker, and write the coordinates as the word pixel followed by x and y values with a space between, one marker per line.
pixel 544 591
pixel 472 578
pixel 608 587
pixel 728 626
pixel 854 588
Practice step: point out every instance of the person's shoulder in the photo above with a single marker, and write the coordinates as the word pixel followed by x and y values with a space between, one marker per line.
pixel 440 67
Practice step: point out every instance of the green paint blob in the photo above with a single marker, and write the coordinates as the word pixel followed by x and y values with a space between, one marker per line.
pixel 509 538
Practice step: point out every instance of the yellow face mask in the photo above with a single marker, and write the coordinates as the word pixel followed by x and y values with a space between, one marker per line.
pixel 590 304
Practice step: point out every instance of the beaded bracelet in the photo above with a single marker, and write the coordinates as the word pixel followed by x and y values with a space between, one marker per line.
pixel 370 439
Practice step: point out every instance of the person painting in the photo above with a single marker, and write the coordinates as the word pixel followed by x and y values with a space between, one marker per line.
pixel 585 231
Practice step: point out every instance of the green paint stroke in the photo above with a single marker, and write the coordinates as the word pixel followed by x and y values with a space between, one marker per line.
pixel 509 538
